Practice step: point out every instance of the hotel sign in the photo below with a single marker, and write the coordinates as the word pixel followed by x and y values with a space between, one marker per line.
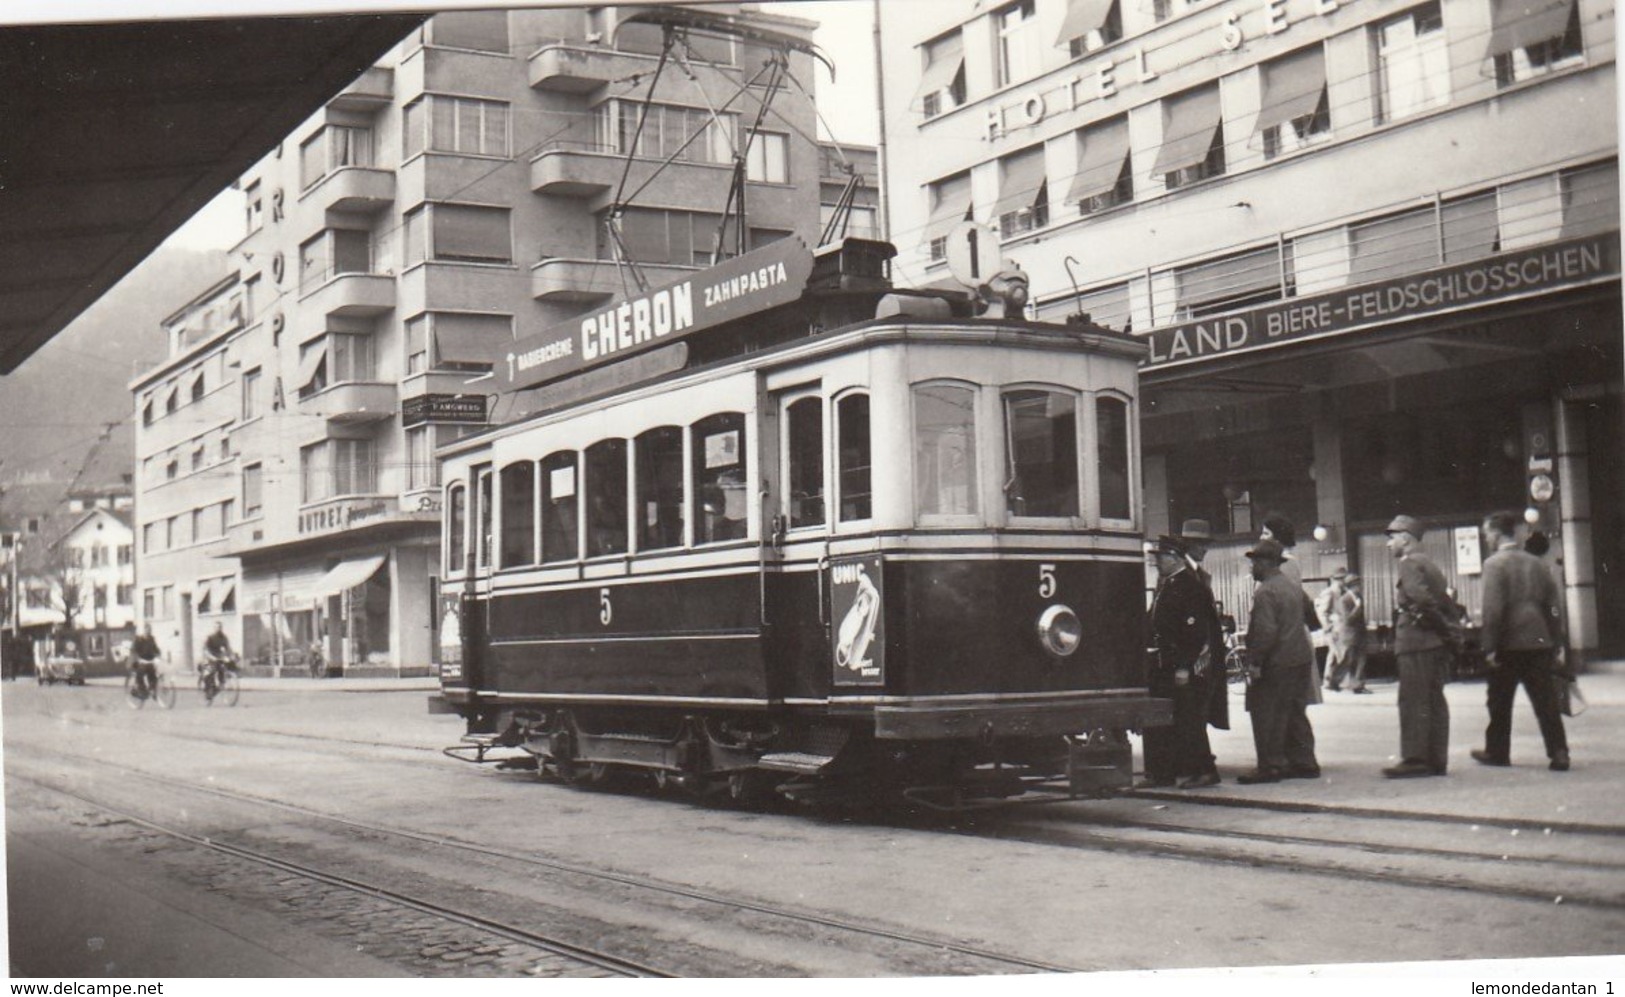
pixel 1508 276
pixel 443 408
pixel 774 275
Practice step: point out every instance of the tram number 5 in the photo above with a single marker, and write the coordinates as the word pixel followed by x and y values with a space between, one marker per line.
pixel 1046 581
pixel 606 612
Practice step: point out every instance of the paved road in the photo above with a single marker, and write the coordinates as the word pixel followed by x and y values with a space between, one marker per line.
pixel 1089 886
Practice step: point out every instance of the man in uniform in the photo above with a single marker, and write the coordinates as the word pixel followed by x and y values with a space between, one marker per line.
pixel 1424 657
pixel 1279 660
pixel 1522 622
pixel 1187 657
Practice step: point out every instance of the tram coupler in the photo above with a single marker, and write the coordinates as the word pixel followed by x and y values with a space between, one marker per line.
pixel 1099 763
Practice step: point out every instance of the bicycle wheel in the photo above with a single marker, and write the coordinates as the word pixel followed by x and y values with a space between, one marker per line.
pixel 227 693
pixel 132 695
pixel 165 693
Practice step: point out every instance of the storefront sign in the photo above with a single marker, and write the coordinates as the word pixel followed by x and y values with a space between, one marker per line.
pixel 342 515
pixel 1469 555
pixel 776 274
pixel 857 621
pixel 443 408
pixel 1504 277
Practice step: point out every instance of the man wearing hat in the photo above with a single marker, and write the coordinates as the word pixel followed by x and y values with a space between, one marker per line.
pixel 1186 645
pixel 1345 616
pixel 1424 658
pixel 1197 536
pixel 1280 658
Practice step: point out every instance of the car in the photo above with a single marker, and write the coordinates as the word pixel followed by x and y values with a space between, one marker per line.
pixel 62 668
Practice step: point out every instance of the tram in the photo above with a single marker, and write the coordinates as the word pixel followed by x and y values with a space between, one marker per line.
pixel 779 527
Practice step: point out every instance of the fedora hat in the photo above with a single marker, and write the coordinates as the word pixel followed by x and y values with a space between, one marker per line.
pixel 1406 524
pixel 1267 549
pixel 1196 529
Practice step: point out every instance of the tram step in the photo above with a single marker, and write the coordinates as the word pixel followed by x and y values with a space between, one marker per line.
pixel 795 761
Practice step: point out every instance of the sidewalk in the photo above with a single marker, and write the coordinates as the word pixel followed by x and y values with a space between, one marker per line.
pixel 419 683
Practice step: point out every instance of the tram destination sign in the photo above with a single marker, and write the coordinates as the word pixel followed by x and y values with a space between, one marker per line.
pixel 1506 276
pixel 775 274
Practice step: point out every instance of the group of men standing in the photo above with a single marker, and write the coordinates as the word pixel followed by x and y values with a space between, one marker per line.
pixel 1520 637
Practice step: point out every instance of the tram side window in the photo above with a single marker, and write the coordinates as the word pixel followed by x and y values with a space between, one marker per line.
pixel 456 524
pixel 485 519
pixel 559 507
pixel 606 498
pixel 720 489
pixel 1041 431
pixel 518 514
pixel 852 427
pixel 660 488
pixel 806 452
pixel 944 450
pixel 1111 431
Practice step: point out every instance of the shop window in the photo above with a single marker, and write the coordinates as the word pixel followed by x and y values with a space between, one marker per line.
pixel 1413 63
pixel 950 205
pixel 456 528
pixel 944 450
pixel 1041 431
pixel 1533 39
pixel 721 492
pixel 1295 111
pixel 1017 52
pixel 1023 203
pixel 606 498
pixel 659 488
pixel 854 458
pixel 519 514
pixel 559 507
pixel 942 82
pixel 1090 25
pixel 804 453
pixel 1112 453
pixel 1105 176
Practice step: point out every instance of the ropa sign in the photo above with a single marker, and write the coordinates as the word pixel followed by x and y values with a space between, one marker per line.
pixel 774 275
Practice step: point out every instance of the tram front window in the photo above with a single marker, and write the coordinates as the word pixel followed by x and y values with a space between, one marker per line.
pixel 606 498
pixel 660 488
pixel 720 488
pixel 852 428
pixel 559 542
pixel 806 451
pixel 944 450
pixel 1041 433
pixel 1111 432
pixel 518 514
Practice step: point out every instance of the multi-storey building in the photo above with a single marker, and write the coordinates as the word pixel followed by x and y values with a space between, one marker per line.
pixel 1372 247
pixel 493 175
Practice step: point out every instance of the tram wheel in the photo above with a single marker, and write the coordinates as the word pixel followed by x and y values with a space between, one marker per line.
pixel 749 786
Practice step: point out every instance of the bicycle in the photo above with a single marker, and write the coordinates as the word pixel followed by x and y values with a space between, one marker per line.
pixel 217 681
pixel 136 693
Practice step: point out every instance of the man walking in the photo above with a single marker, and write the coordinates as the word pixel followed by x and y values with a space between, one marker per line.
pixel 1522 623
pixel 1424 658
pixel 1345 615
pixel 1184 635
pixel 1279 663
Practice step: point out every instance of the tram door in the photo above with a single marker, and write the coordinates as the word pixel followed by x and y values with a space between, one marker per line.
pixel 476 596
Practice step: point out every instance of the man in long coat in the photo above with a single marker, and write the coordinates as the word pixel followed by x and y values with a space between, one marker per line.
pixel 1280 660
pixel 1188 658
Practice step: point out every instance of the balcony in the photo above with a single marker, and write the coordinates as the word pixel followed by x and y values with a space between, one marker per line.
pixel 563 279
pixel 581 70
pixel 590 170
pixel 370 91
pixel 355 190
pixel 355 295
pixel 353 402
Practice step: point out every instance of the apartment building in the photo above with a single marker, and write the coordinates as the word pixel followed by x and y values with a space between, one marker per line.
pixel 497 172
pixel 1372 247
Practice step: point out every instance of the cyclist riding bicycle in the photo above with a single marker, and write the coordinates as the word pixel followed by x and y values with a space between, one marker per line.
pixel 218 657
pixel 144 655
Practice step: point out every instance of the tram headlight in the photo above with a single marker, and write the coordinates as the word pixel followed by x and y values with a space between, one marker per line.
pixel 1060 630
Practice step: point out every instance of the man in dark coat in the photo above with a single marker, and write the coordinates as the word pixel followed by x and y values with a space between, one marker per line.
pixel 144 655
pixel 1522 622
pixel 1424 657
pixel 1186 660
pixel 1197 537
pixel 1279 661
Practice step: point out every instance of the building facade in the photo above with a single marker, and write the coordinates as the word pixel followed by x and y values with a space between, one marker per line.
pixel 1372 247
pixel 497 173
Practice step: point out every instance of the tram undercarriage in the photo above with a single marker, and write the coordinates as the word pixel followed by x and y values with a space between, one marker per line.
pixel 806 759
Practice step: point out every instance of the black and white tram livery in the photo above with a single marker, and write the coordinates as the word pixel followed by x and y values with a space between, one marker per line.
pixel 799 546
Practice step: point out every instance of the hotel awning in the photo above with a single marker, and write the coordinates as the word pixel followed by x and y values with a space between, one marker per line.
pixel 1189 122
pixel 1021 178
pixel 1522 23
pixel 944 66
pixel 1293 87
pixel 1100 164
pixel 953 204
pixel 1082 17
